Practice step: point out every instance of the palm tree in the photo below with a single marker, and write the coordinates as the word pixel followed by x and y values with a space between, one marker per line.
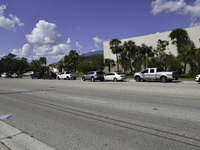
pixel 130 50
pixel 109 63
pixel 179 37
pixel 188 55
pixel 73 58
pixel 144 53
pixel 43 62
pixel 116 49
pixel 35 64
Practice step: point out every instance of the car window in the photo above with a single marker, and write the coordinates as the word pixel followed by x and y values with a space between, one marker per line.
pixel 151 70
pixel 145 71
pixel 108 74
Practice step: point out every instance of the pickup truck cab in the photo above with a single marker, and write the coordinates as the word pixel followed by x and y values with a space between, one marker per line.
pixel 197 79
pixel 66 75
pixel 154 74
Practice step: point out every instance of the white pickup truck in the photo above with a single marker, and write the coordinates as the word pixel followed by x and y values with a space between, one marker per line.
pixel 197 78
pixel 66 75
pixel 154 74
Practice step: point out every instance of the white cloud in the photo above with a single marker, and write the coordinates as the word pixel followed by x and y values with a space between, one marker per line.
pixel 159 6
pixel 97 42
pixel 178 6
pixel 193 10
pixel 42 50
pixel 61 49
pixel 80 47
pixel 23 52
pixel 9 23
pixel 44 33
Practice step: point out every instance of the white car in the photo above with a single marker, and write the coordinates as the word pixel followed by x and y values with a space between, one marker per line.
pixel 114 76
pixel 29 73
pixel 197 78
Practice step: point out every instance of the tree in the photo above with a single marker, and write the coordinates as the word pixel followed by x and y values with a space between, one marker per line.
pixel 116 49
pixel 189 56
pixel 129 50
pixel 109 63
pixel 35 65
pixel 144 53
pixel 179 37
pixel 73 58
pixel 43 60
pixel 94 63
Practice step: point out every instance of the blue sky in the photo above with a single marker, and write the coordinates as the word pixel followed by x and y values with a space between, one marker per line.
pixel 51 28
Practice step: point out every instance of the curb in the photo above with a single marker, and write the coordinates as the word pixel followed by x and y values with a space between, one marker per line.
pixel 14 139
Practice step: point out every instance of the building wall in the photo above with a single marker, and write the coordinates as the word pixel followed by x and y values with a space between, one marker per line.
pixel 151 40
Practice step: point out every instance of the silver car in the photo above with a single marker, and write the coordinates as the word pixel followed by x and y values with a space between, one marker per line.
pixel 93 75
pixel 114 76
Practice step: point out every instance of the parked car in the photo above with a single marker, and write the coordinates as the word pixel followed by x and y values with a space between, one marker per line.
pixel 197 78
pixel 37 75
pixel 94 75
pixel 16 75
pixel 66 75
pixel 114 76
pixel 29 73
pixel 49 75
pixel 154 74
pixel 6 75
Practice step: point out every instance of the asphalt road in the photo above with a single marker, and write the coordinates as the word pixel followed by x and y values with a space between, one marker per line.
pixel 77 115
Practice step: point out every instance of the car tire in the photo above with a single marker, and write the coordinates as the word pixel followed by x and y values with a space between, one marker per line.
pixel 163 79
pixel 83 79
pixel 58 78
pixel 137 79
pixel 115 79
pixel 92 79
pixel 67 78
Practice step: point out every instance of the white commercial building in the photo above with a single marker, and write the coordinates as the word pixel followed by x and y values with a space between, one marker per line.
pixel 152 39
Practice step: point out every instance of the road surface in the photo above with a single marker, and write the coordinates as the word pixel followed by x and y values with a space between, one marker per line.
pixel 77 115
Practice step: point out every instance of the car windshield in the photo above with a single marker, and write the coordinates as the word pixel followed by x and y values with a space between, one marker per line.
pixel 119 73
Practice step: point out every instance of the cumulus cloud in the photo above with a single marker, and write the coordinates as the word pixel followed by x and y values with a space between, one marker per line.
pixel 61 49
pixel 159 6
pixel 23 52
pixel 10 22
pixel 97 42
pixel 44 33
pixel 193 10
pixel 46 41
pixel 80 47
pixel 178 6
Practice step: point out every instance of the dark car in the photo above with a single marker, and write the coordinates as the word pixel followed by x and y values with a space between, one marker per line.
pixel 16 75
pixel 49 75
pixel 94 75
pixel 37 75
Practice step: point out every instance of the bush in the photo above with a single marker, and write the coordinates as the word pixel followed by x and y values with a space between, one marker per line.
pixel 186 75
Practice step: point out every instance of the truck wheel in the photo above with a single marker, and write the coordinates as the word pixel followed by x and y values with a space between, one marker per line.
pixel 163 79
pixel 137 79
pixel 83 79
pixel 92 79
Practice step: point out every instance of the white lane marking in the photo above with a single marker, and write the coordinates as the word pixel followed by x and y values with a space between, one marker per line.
pixel 86 100
pixel 20 90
